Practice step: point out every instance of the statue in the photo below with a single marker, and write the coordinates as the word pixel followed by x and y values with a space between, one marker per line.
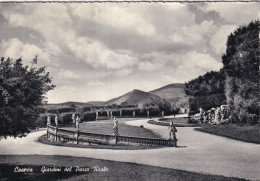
pixel 173 131
pixel 48 119
pixel 73 118
pixel 111 113
pixel 78 119
pixel 133 113
pixel 212 115
pixel 115 127
pixel 56 120
pixel 163 114
pixel 201 115
pixel 96 115
pixel 148 113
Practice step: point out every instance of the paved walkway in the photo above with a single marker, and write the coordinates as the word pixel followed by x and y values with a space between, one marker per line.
pixel 197 152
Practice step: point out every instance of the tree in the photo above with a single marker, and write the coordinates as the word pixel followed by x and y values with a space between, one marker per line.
pixel 241 66
pixel 205 85
pixel 22 91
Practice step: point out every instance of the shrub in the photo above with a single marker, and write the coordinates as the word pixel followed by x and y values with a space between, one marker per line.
pixel 66 109
pixel 88 116
pixel 53 111
pixel 41 110
pixel 102 113
pixel 207 102
pixel 86 108
pixel 116 113
pixel 42 120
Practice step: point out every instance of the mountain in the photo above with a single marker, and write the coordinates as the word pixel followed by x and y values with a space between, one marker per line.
pixel 135 97
pixel 96 103
pixel 171 91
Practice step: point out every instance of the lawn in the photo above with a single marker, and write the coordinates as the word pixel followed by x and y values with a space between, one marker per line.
pixel 243 133
pixel 108 170
pixel 106 127
pixel 178 122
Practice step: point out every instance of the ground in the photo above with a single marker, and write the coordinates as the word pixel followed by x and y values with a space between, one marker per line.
pixel 196 152
pixel 109 170
pixel 243 133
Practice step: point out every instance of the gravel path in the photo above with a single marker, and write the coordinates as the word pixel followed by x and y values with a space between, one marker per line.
pixel 197 152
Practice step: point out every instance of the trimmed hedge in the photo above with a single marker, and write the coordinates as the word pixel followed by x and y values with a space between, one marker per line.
pixel 116 113
pixel 66 109
pixel 42 120
pixel 86 108
pixel 88 116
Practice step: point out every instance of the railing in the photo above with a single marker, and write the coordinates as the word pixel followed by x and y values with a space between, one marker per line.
pixel 64 135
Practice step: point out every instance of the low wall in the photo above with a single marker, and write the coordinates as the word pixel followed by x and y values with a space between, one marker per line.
pixel 79 137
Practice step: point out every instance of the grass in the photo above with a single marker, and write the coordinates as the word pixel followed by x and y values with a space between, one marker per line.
pixel 167 122
pixel 243 133
pixel 115 170
pixel 106 127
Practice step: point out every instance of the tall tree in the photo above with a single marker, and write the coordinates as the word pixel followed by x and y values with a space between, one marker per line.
pixel 241 66
pixel 22 90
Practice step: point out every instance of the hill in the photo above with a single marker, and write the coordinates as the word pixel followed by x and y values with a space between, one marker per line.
pixel 66 104
pixel 135 97
pixel 171 91
pixel 96 103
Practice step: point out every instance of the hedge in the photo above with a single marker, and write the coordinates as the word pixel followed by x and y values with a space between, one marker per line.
pixel 88 116
pixel 42 120
pixel 66 109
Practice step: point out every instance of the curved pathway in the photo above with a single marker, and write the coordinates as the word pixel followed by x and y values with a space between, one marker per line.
pixel 197 152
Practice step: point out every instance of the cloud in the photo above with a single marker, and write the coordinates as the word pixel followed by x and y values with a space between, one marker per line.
pixel 97 55
pixel 236 12
pixel 14 48
pixel 44 18
pixel 124 72
pixel 98 51
pixel 117 16
pixel 219 39
pixel 95 83
pixel 66 74
pixel 200 60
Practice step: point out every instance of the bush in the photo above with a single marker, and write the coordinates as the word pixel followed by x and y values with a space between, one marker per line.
pixel 53 111
pixel 66 109
pixel 252 119
pixel 41 110
pixel 86 108
pixel 127 112
pixel 207 102
pixel 102 113
pixel 116 113
pixel 42 120
pixel 88 116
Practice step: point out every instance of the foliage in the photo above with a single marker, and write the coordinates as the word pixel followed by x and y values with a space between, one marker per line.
pixel 22 90
pixel 206 102
pixel 66 109
pixel 86 108
pixel 238 80
pixel 88 116
pixel 241 66
pixel 209 84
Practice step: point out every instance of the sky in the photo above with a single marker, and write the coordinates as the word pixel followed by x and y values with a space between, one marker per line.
pixel 98 51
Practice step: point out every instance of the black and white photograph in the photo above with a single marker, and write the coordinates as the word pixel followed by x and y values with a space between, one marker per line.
pixel 129 90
